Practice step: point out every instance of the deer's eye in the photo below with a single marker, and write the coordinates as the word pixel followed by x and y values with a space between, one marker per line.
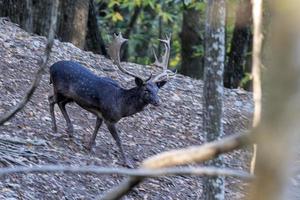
pixel 147 92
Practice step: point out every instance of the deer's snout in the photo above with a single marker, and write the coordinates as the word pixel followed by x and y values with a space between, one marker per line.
pixel 155 102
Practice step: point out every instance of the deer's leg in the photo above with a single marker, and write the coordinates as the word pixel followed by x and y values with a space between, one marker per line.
pixel 62 106
pixel 92 141
pixel 114 132
pixel 52 102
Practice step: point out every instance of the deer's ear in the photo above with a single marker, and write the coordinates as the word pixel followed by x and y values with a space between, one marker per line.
pixel 161 83
pixel 139 82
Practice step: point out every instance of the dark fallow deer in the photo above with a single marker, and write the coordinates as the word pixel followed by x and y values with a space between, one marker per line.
pixel 103 96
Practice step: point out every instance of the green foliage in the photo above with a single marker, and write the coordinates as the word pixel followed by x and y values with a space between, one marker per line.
pixel 145 32
pixel 246 80
pixel 155 19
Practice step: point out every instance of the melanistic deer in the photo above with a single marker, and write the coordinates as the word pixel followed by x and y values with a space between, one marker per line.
pixel 102 96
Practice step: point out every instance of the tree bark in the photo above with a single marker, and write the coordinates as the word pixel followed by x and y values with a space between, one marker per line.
pixel 190 37
pixel 34 16
pixel 73 21
pixel 94 41
pixel 213 88
pixel 235 67
pixel 278 133
pixel 25 12
pixel 130 26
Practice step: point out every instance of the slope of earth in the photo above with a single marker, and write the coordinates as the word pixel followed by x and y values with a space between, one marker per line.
pixel 176 123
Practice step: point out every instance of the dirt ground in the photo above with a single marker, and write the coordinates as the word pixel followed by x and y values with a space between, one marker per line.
pixel 176 123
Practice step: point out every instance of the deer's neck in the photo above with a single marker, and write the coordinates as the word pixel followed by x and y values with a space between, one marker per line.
pixel 132 102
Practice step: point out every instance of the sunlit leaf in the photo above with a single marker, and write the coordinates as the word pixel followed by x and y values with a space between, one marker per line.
pixel 117 17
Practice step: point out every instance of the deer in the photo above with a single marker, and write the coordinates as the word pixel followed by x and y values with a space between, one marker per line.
pixel 103 96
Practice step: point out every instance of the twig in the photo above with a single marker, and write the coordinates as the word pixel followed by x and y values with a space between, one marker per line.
pixel 190 155
pixel 40 71
pixel 195 171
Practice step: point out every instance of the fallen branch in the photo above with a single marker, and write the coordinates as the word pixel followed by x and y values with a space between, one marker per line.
pixel 195 171
pixel 196 154
pixel 17 151
pixel 15 140
pixel 7 116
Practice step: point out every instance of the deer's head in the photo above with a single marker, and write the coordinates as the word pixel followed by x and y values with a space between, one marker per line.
pixel 148 88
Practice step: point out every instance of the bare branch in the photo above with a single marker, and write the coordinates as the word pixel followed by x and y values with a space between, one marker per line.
pixel 40 71
pixel 198 171
pixel 196 154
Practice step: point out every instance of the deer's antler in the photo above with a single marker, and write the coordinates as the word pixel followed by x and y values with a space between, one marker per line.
pixel 114 53
pixel 166 73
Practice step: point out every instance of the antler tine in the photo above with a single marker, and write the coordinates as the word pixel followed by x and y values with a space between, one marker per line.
pixel 114 53
pixel 165 58
pixel 156 62
pixel 166 73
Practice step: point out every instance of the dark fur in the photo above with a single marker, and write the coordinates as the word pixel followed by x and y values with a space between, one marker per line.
pixel 100 95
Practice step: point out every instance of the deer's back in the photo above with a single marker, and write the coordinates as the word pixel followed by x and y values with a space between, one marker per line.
pixel 79 84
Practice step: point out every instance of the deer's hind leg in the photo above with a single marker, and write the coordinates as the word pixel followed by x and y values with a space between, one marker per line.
pixel 55 98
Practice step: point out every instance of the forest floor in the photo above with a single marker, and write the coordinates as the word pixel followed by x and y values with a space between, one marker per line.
pixel 176 123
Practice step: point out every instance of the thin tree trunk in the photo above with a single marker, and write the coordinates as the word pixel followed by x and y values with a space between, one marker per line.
pixel 192 65
pixel 235 67
pixel 160 31
pixel 143 46
pixel 213 188
pixel 130 26
pixel 41 11
pixel 94 41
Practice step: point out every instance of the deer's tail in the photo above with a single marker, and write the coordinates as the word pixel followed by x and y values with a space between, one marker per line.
pixel 50 82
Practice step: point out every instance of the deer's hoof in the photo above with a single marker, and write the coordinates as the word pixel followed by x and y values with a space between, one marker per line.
pixel 54 129
pixel 90 146
pixel 128 163
pixel 70 131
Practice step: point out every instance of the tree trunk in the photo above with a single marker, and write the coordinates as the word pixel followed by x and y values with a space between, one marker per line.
pixel 130 26
pixel 142 48
pixel 190 37
pixel 73 21
pixel 235 68
pixel 94 41
pixel 31 15
pixel 34 17
pixel 277 135
pixel 213 88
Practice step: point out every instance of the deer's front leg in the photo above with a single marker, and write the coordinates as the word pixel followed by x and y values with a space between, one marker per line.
pixel 114 132
pixel 92 141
